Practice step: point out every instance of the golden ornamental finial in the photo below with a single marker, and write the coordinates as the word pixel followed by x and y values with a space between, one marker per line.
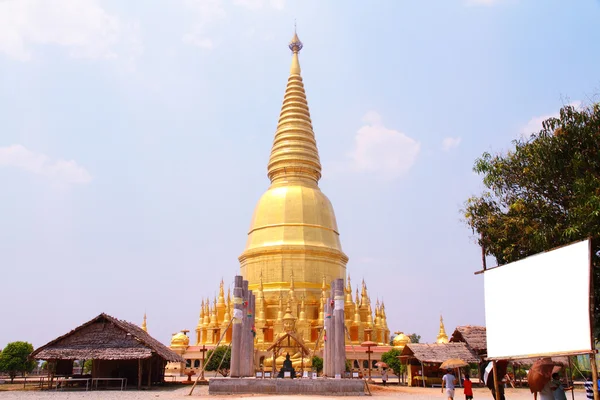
pixel 295 44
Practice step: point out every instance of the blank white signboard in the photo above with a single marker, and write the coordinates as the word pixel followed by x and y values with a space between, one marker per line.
pixel 539 305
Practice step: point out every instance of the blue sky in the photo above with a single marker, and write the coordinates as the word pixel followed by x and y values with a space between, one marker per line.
pixel 134 139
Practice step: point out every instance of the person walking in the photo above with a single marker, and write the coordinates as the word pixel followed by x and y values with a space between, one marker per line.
pixel 557 387
pixel 468 388
pixel 449 380
pixel 384 376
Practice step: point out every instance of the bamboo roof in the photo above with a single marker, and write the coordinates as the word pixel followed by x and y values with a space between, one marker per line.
pixel 558 360
pixel 295 338
pixel 105 338
pixel 473 336
pixel 439 352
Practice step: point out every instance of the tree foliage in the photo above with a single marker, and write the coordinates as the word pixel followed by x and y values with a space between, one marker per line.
pixel 317 363
pixel 14 359
pixel 414 338
pixel 222 353
pixel 544 193
pixel 393 362
pixel 87 366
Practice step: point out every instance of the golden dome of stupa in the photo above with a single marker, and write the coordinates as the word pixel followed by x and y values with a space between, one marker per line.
pixel 293 229
pixel 400 340
pixel 180 339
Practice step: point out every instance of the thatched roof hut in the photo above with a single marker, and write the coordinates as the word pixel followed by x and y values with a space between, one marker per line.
pixel 423 360
pixel 438 352
pixel 473 336
pixel 118 349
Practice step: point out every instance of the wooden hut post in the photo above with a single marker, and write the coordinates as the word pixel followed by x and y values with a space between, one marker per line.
pixel 569 379
pixel 50 375
pixel 496 386
pixel 275 349
pixel 139 383
pixel 149 372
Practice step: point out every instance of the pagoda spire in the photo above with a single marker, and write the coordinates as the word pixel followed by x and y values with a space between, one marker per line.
pixel 294 155
pixel 302 310
pixel 221 293
pixel 442 337
pixel 144 327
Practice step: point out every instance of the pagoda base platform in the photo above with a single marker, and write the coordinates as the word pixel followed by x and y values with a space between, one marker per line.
pixel 318 386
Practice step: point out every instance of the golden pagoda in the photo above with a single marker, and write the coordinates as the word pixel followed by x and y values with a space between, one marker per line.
pixel 293 249
pixel 442 337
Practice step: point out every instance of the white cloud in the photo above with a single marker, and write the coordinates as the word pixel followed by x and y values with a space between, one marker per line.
pixel 61 170
pixel 534 125
pixel 206 13
pixel 450 143
pixel 81 26
pixel 256 4
pixel 378 149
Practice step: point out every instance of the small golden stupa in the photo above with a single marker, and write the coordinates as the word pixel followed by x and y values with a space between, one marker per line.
pixel 400 340
pixel 180 339
pixel 442 337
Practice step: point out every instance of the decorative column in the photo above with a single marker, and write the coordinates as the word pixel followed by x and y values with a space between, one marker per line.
pixel 236 335
pixel 244 336
pixel 339 320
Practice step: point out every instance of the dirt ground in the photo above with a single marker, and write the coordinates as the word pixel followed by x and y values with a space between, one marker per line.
pixel 181 392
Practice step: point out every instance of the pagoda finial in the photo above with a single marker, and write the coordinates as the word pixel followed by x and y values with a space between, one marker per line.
pixel 295 44
pixel 144 327
pixel 294 155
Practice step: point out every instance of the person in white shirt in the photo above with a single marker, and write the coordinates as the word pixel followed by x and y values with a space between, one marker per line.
pixel 448 381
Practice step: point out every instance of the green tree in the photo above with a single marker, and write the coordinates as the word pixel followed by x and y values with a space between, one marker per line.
pixel 542 194
pixel 414 338
pixel 393 362
pixel 317 363
pixel 14 359
pixel 87 366
pixel 222 353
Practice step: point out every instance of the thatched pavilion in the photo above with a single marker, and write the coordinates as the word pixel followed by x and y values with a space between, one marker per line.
pixel 119 349
pixel 423 360
pixel 473 336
